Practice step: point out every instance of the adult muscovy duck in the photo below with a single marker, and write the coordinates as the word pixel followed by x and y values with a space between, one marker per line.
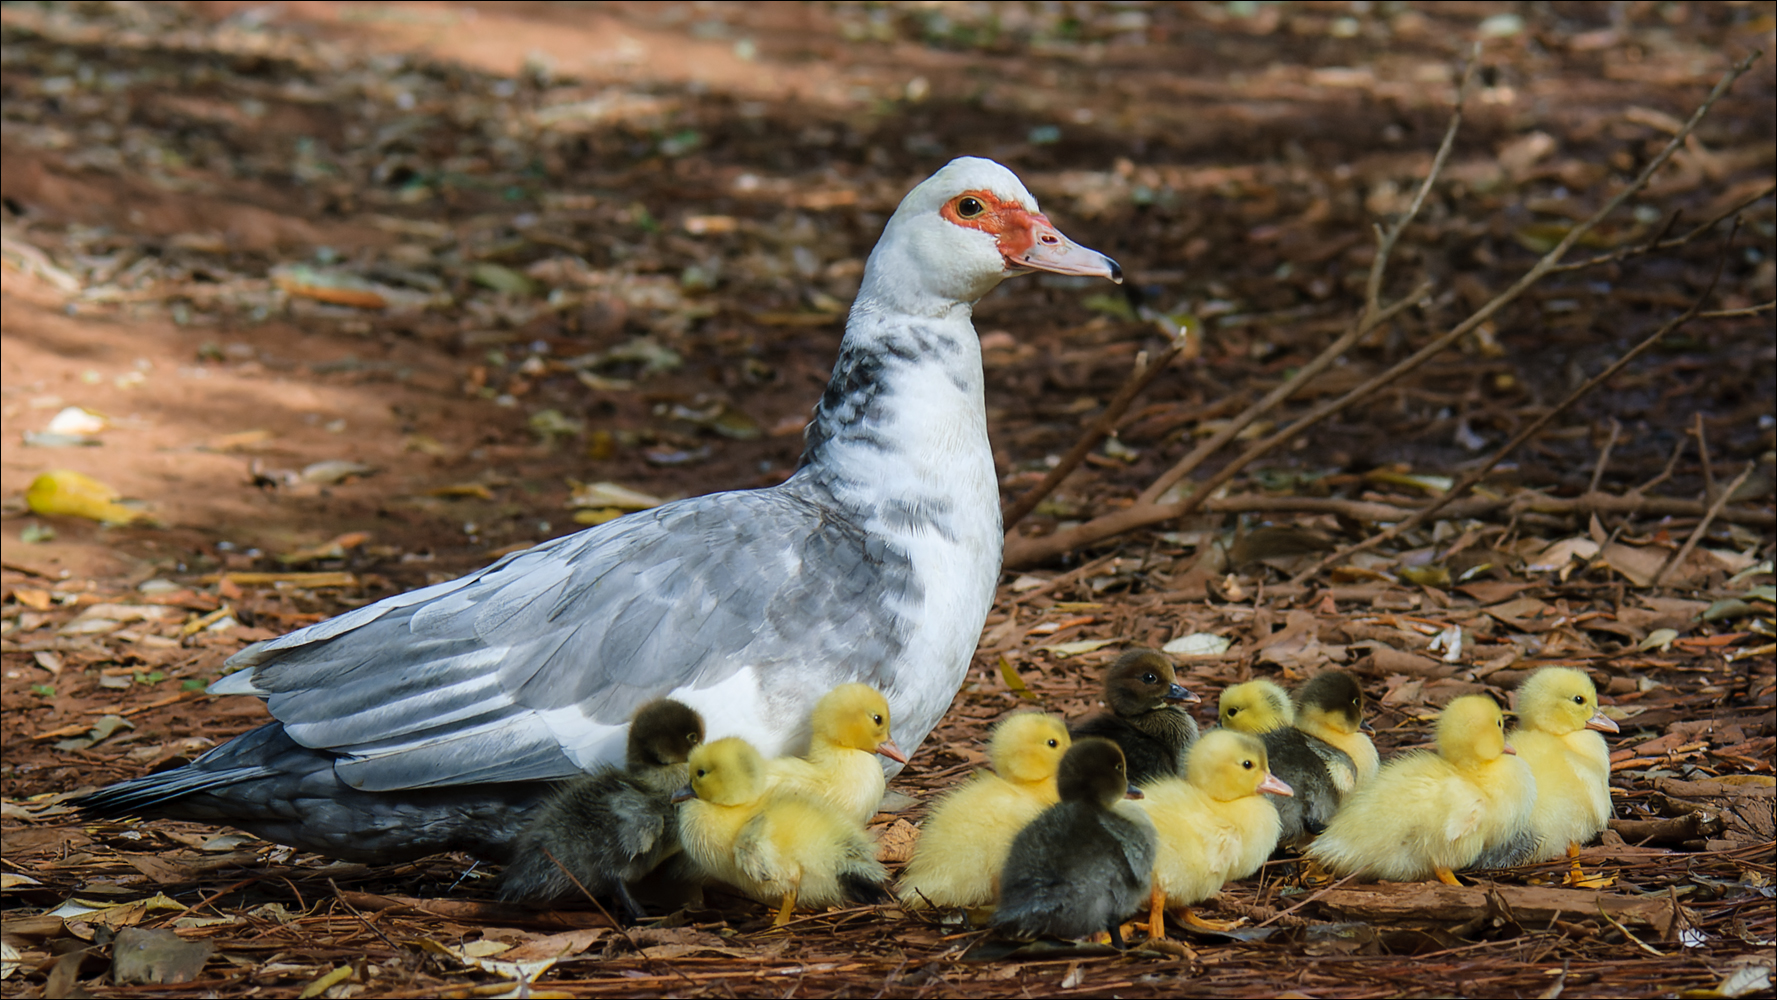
pixel 434 720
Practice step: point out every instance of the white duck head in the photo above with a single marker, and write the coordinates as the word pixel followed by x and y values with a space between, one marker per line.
pixel 965 229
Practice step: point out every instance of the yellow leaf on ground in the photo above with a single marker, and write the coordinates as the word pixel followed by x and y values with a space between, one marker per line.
pixel 73 494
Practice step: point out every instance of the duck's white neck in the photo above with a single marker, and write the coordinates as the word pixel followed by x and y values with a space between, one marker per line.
pixel 900 435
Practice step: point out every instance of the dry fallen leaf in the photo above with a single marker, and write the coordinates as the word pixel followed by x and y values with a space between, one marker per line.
pixel 73 494
pixel 156 956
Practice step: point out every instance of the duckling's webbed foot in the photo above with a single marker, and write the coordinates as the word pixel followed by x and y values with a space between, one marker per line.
pixel 630 910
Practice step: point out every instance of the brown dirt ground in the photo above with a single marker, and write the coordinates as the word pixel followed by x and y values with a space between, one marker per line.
pixel 1232 162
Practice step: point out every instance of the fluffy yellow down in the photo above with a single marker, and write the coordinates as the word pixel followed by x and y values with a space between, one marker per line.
pixel 963 844
pixel 1428 814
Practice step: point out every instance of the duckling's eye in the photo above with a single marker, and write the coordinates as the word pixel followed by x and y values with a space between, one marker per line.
pixel 693 739
pixel 876 719
pixel 701 772
pixel 1149 679
pixel 1233 712
pixel 1247 764
pixel 1579 699
pixel 970 208
pixel 1054 743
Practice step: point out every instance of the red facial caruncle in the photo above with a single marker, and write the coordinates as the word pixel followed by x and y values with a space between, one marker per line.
pixel 1027 240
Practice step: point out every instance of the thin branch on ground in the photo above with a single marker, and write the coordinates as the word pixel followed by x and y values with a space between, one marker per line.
pixel 1374 314
pixel 1616 428
pixel 1660 242
pixel 1023 551
pixel 1702 528
pixel 1146 371
pixel 1476 474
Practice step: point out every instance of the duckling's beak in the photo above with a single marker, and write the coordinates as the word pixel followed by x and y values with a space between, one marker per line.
pixel 1507 748
pixel 1603 723
pixel 1050 251
pixel 684 794
pixel 1134 793
pixel 888 749
pixel 1364 725
pixel 1275 785
pixel 1180 693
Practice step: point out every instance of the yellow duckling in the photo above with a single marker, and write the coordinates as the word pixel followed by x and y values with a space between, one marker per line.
pixel 1558 736
pixel 964 843
pixel 781 847
pixel 1215 824
pixel 1319 772
pixel 1330 706
pixel 1428 814
pixel 851 727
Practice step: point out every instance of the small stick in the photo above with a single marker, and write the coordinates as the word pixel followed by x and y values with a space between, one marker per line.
pixel 1021 551
pixel 1284 913
pixel 1145 373
pixel 1702 528
pixel 1703 455
pixel 1476 474
pixel 1660 242
pixel 1604 455
pixel 361 918
pixel 1666 473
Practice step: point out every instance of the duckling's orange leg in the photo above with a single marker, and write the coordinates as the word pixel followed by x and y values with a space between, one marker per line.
pixel 1576 876
pixel 1447 877
pixel 788 909
pixel 1157 914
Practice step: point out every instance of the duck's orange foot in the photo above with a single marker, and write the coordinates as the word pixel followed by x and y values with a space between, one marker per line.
pixel 1189 918
pixel 1448 877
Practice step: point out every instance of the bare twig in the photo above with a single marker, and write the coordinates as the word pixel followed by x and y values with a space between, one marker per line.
pixel 1374 313
pixel 1284 913
pixel 361 918
pixel 1702 528
pixel 1616 428
pixel 1529 501
pixel 1659 242
pixel 1666 473
pixel 1021 551
pixel 1476 474
pixel 1703 456
pixel 1146 371
pixel 1272 399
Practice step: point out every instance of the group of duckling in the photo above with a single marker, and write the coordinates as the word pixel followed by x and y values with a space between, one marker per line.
pixel 1075 828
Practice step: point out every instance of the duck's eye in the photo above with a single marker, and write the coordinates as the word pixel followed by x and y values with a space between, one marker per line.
pixel 1054 743
pixel 1579 699
pixel 876 719
pixel 1233 712
pixel 1149 679
pixel 701 772
pixel 693 739
pixel 1247 764
pixel 970 208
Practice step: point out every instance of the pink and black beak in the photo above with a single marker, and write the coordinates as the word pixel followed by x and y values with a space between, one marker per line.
pixel 1049 250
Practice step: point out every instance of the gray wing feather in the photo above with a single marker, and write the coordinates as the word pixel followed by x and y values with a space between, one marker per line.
pixel 448 684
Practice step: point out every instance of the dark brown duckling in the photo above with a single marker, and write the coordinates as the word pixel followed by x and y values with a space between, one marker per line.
pixel 613 826
pixel 1146 717
pixel 1084 863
